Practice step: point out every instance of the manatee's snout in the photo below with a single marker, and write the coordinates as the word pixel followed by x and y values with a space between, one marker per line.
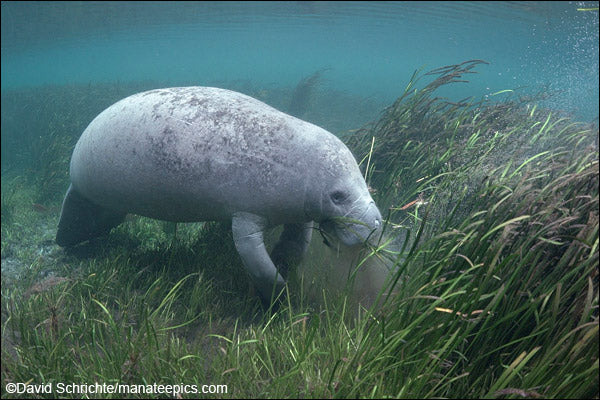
pixel 358 228
pixel 372 219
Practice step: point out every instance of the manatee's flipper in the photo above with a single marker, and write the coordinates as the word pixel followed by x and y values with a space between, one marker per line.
pixel 292 245
pixel 81 220
pixel 248 238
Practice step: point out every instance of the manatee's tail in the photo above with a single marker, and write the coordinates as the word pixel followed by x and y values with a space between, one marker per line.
pixel 81 220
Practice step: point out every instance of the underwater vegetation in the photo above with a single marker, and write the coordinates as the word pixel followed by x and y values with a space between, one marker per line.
pixel 505 221
pixel 491 240
pixel 303 93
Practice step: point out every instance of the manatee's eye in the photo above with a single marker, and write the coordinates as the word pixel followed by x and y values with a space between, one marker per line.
pixel 338 197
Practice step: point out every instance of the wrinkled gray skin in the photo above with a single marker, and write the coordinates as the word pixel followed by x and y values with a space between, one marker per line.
pixel 201 154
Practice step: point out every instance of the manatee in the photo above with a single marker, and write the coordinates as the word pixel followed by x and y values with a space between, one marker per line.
pixel 190 154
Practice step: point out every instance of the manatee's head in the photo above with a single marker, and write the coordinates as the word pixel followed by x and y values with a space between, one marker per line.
pixel 352 216
pixel 345 206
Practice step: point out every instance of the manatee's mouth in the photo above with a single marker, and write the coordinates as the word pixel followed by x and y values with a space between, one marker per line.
pixel 328 230
pixel 356 226
pixel 349 231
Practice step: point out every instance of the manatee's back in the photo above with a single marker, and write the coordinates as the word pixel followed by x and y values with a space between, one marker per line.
pixel 195 153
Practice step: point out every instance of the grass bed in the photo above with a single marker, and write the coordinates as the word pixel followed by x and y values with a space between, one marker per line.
pixel 491 237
